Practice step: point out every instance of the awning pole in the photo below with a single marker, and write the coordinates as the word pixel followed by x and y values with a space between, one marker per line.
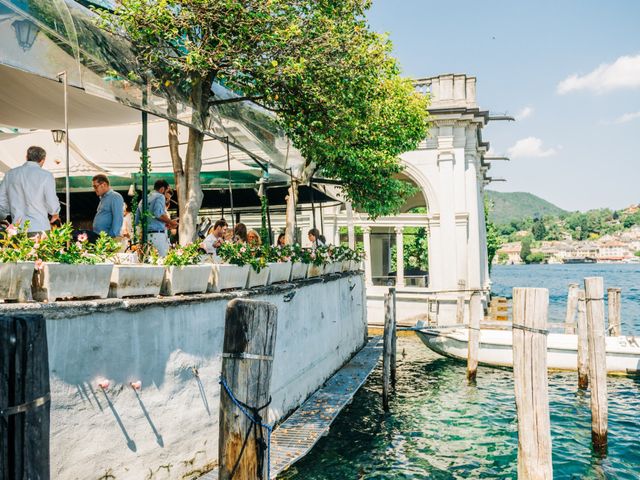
pixel 66 146
pixel 233 223
pixel 145 171
pixel 313 205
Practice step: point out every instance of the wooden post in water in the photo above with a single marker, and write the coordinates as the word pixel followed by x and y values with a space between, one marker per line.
pixel 594 297
pixel 475 316
pixel 460 303
pixel 24 398
pixel 249 343
pixel 394 335
pixel 572 303
pixel 530 307
pixel 614 307
pixel 583 343
pixel 387 340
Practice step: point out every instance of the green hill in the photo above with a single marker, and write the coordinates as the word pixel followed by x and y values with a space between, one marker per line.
pixel 509 206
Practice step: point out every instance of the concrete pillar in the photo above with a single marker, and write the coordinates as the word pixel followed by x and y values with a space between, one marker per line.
pixel 475 270
pixel 350 229
pixel 448 247
pixel 367 254
pixel 399 256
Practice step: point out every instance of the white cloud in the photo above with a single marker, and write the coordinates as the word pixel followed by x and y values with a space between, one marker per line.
pixel 623 73
pixel 524 113
pixel 530 147
pixel 627 117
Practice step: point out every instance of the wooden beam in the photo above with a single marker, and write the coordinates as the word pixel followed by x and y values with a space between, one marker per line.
pixel 530 307
pixel 247 359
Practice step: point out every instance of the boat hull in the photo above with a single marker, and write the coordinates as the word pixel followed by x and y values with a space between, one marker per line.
pixel 623 353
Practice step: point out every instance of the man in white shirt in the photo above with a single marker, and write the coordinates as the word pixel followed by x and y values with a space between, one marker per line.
pixel 215 237
pixel 28 193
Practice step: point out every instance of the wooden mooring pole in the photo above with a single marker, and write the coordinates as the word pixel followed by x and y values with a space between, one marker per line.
pixel 594 297
pixel 247 359
pixel 460 303
pixel 572 303
pixel 614 307
pixel 387 348
pixel 583 343
pixel 475 316
pixel 24 398
pixel 530 307
pixel 394 335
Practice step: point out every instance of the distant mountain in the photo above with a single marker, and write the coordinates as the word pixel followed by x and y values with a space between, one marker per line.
pixel 509 206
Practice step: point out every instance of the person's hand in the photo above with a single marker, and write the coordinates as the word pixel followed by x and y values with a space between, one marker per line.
pixel 173 224
pixel 217 243
pixel 54 218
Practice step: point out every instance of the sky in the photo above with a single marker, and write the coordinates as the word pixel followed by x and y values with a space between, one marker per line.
pixel 569 71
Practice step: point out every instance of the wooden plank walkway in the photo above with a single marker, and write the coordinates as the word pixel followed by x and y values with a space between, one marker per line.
pixel 297 435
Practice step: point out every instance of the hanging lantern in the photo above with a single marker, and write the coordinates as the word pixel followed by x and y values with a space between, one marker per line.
pixel 26 32
pixel 58 136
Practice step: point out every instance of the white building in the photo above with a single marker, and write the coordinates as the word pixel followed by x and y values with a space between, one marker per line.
pixel 450 171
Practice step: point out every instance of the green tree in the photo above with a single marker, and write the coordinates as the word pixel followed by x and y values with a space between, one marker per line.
pixel 525 249
pixel 538 229
pixel 329 77
pixel 536 257
pixel 493 239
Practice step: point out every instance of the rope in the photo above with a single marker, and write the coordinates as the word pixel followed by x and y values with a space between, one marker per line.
pixel 529 329
pixel 256 420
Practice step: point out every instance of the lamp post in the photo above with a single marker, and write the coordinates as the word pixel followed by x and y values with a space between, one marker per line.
pixel 63 75
pixel 26 33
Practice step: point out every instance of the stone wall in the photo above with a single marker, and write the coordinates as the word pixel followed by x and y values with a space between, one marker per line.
pixel 169 429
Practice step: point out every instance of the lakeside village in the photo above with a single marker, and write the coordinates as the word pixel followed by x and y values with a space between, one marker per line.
pixel 615 238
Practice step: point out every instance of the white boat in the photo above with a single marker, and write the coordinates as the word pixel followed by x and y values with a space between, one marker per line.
pixel 623 353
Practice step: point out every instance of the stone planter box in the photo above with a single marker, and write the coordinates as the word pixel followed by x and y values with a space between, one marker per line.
pixel 299 271
pixel 258 279
pixel 186 279
pixel 315 270
pixel 225 276
pixel 279 272
pixel 136 280
pixel 355 266
pixel 336 267
pixel 346 265
pixel 61 280
pixel 15 281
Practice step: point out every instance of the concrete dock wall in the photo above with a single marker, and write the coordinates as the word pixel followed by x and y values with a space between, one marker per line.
pixel 169 429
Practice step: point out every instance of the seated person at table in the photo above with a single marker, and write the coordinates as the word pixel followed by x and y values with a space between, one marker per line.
pixel 215 237
pixel 253 238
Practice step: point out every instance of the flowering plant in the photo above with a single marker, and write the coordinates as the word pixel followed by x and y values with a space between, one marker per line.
pixel 283 253
pixel 179 256
pixel 244 254
pixel 16 246
pixel 58 246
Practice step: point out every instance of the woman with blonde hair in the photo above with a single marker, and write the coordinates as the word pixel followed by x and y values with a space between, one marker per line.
pixel 253 238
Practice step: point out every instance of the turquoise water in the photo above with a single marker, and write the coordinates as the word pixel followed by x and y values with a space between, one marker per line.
pixel 441 428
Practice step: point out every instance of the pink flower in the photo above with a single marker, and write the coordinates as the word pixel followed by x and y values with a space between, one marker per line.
pixel 243 249
pixel 104 384
pixel 202 246
pixel 39 264
pixel 12 230
pixel 61 251
pixel 179 251
pixel 83 237
pixel 136 385
pixel 313 255
pixel 79 244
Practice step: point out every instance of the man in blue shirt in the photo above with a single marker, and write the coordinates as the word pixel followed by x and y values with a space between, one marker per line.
pixel 160 220
pixel 110 212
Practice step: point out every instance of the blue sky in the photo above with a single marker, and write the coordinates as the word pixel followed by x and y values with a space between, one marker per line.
pixel 570 70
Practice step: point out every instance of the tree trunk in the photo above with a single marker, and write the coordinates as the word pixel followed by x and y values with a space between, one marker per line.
pixel 187 172
pixel 292 202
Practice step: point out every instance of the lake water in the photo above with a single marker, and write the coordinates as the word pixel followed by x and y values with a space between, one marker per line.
pixel 441 428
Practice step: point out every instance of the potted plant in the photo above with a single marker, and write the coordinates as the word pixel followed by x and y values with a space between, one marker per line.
pixel 183 273
pixel 233 273
pixel 279 263
pixel 130 278
pixel 316 261
pixel 259 271
pixel 17 261
pixel 300 265
pixel 72 269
